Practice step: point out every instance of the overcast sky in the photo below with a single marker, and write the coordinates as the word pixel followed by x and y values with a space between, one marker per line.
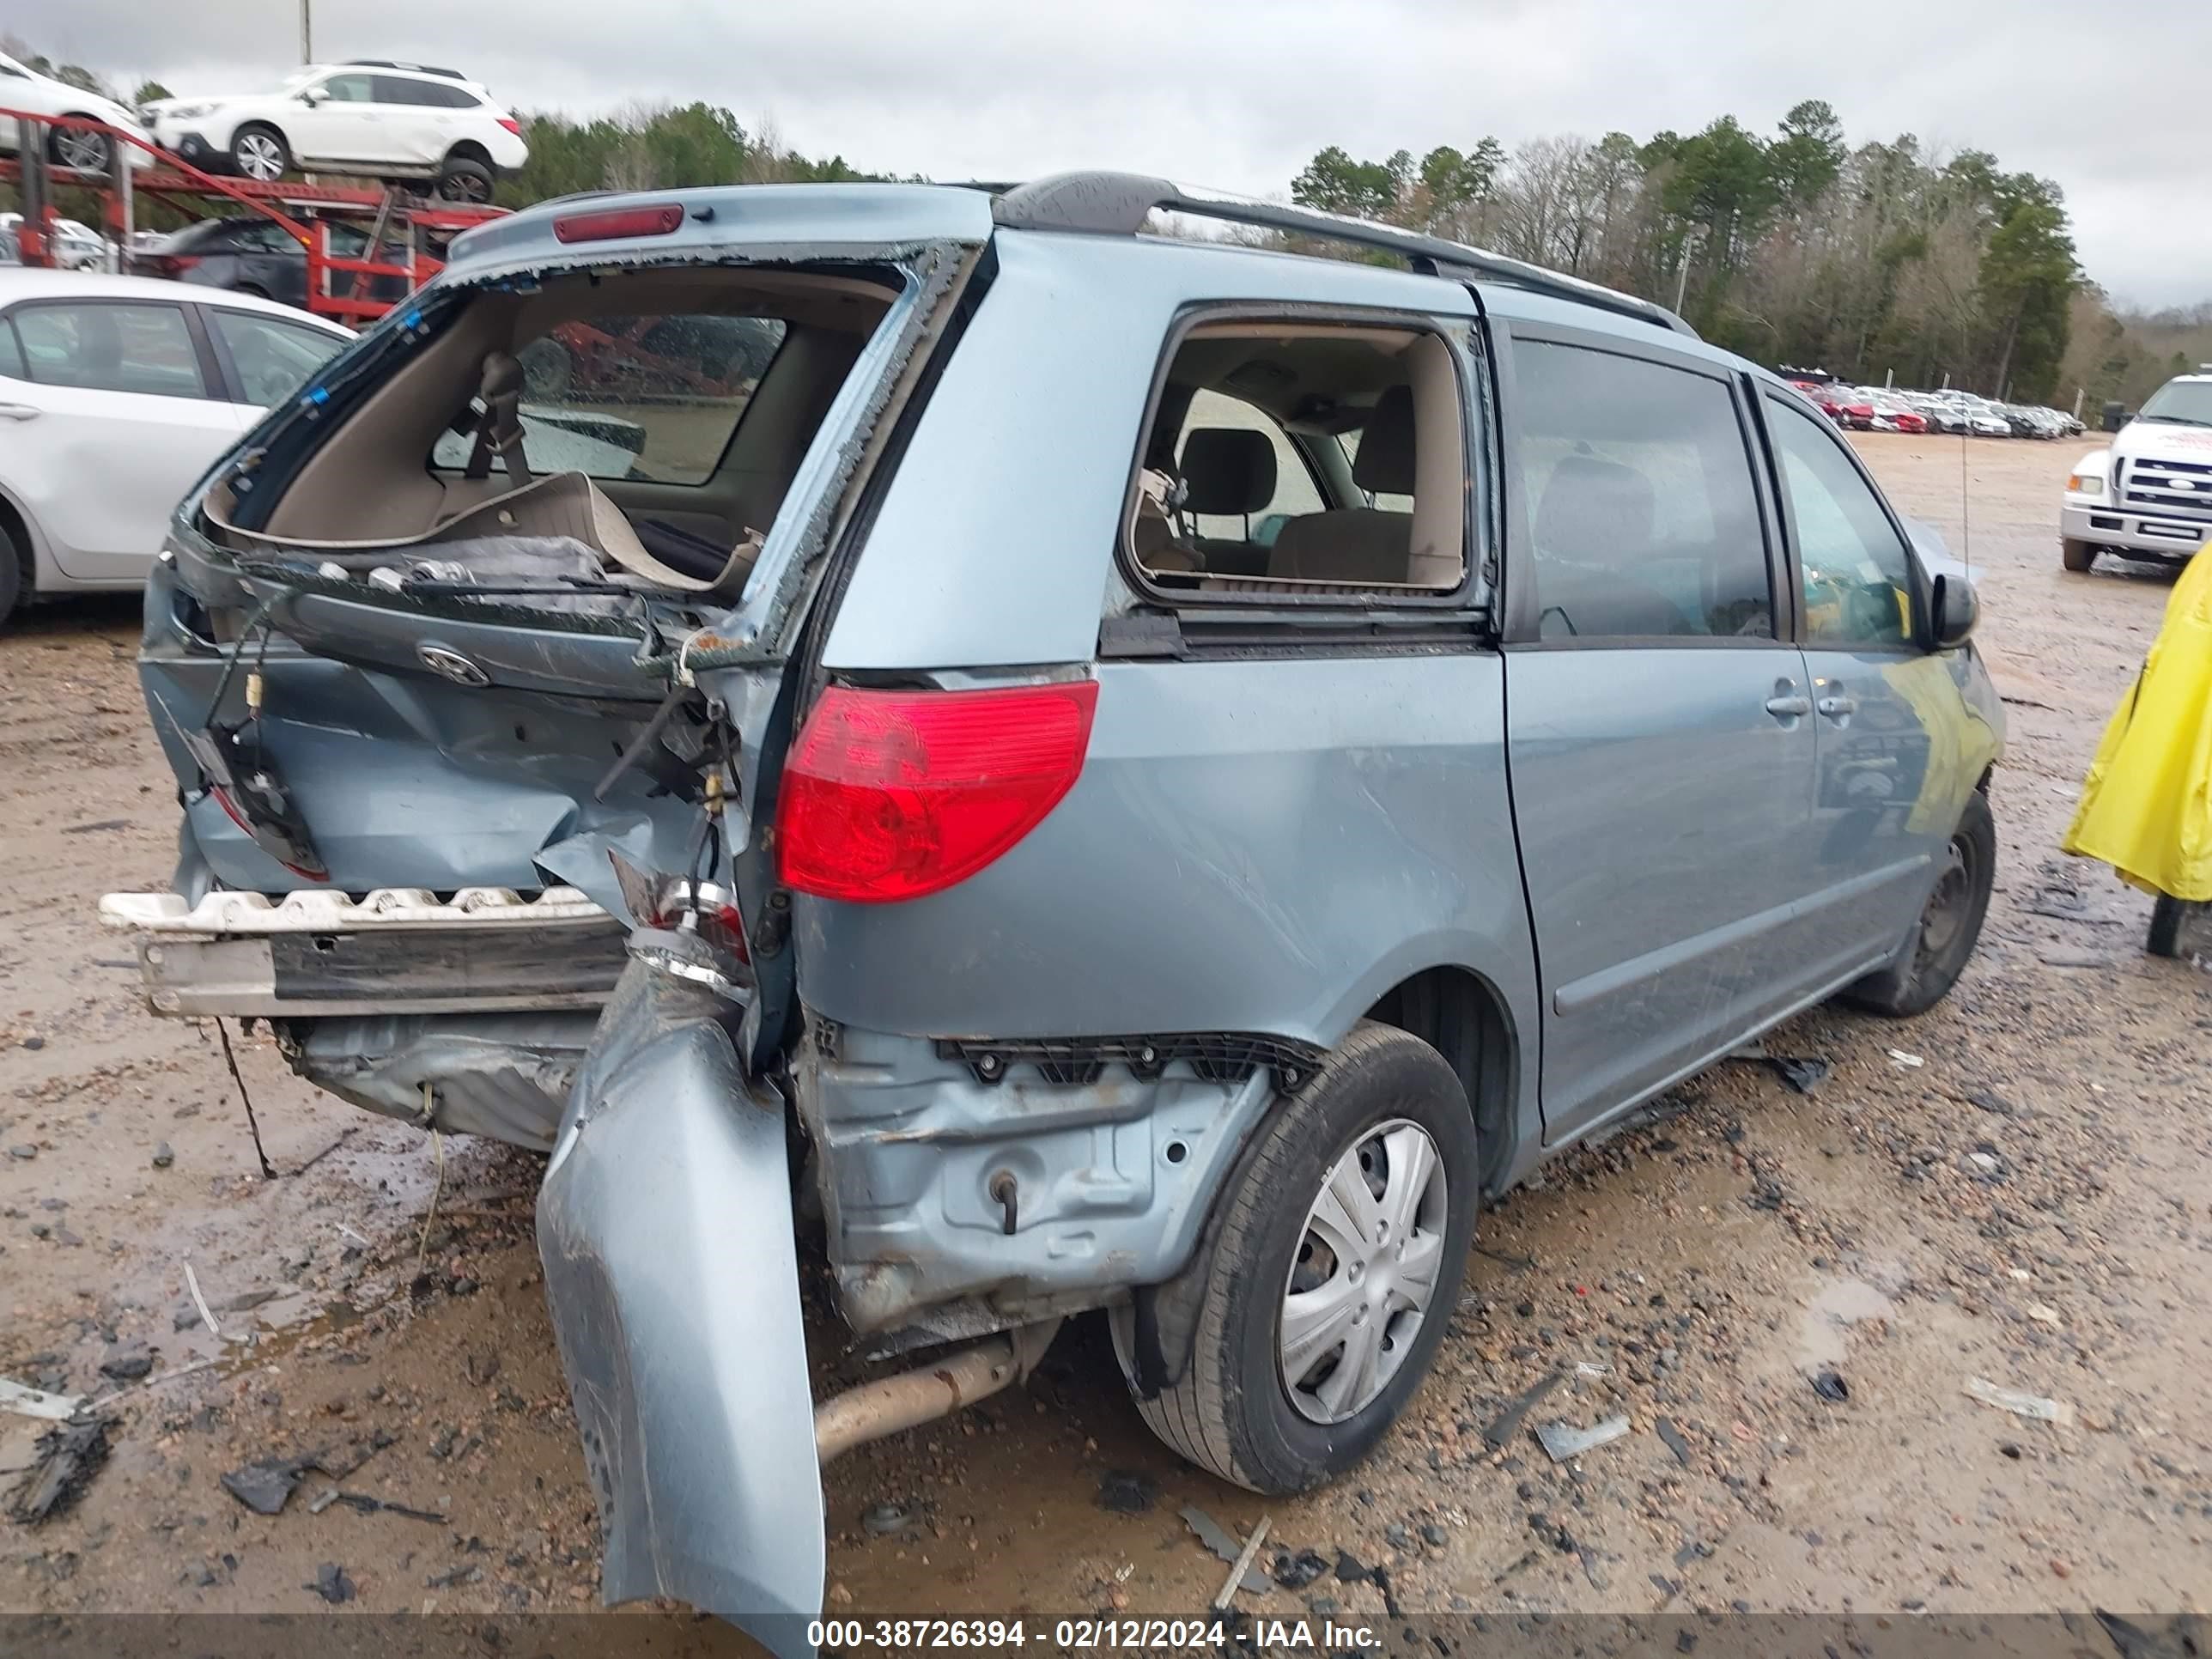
pixel 1237 94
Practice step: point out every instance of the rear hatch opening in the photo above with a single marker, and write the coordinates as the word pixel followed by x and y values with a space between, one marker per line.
pixel 437 629
pixel 475 565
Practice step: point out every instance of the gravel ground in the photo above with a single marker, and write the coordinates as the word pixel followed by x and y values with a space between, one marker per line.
pixel 2027 1205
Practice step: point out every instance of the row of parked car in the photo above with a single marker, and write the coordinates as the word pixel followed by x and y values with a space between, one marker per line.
pixel 1891 408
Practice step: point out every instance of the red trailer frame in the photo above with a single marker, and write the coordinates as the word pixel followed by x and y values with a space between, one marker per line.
pixel 399 219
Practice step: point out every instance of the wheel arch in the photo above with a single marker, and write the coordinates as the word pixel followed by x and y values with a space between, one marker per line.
pixel 28 543
pixel 1464 1016
pixel 240 124
pixel 468 149
pixel 1459 1011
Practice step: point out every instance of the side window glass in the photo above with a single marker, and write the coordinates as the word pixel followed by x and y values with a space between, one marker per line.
pixel 1641 510
pixel 349 89
pixel 273 359
pixel 391 89
pixel 1858 575
pixel 143 348
pixel 1230 498
pixel 1242 478
pixel 11 353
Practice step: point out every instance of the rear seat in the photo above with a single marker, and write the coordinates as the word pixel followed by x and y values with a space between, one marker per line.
pixel 1360 543
pixel 1228 472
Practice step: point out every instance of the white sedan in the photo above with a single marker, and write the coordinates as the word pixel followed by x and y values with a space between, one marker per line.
pixel 116 394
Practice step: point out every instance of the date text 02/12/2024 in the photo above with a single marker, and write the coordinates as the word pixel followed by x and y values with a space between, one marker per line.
pixel 855 1635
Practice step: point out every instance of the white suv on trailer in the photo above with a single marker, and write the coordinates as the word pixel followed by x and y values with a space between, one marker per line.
pixel 80 149
pixel 370 116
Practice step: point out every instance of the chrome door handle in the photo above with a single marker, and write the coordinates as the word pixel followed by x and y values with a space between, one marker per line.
pixel 18 412
pixel 1788 705
pixel 1837 708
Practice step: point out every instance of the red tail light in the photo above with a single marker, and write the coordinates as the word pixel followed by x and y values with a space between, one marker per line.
pixel 893 795
pixel 167 265
pixel 511 125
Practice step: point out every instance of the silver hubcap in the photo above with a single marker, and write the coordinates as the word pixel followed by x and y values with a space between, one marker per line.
pixel 1366 1266
pixel 258 157
pixel 87 152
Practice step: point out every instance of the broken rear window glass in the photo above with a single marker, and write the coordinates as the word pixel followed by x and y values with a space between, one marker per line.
pixel 651 399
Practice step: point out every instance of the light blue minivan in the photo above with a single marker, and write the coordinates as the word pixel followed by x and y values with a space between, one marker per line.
pixel 1077 766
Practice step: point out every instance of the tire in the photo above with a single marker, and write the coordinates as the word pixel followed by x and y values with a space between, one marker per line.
pixel 2076 556
pixel 259 151
pixel 79 150
pixel 547 369
pixel 464 179
pixel 1943 939
pixel 12 573
pixel 1232 1412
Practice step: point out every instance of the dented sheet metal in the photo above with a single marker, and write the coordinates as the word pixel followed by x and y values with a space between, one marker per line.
pixel 912 1144
pixel 505 1076
pixel 665 1226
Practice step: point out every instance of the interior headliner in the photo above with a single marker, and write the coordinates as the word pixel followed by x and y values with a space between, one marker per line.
pixel 1321 377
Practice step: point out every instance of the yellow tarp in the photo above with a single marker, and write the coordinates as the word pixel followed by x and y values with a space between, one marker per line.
pixel 2146 804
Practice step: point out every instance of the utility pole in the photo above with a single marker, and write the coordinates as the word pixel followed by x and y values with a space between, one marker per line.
pixel 306 31
pixel 1681 284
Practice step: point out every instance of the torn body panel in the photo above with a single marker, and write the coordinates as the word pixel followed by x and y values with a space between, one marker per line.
pixel 468 1014
pixel 664 1225
pixel 505 1076
pixel 1029 1195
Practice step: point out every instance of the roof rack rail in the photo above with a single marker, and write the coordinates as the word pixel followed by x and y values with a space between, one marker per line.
pixel 1118 204
pixel 419 69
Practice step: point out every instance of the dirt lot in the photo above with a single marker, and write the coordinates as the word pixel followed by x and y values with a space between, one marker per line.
pixel 2014 1187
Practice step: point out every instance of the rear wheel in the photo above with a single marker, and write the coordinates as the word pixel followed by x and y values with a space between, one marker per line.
pixel 260 152
pixel 12 572
pixel 1950 924
pixel 1337 1266
pixel 464 179
pixel 2078 556
pixel 74 147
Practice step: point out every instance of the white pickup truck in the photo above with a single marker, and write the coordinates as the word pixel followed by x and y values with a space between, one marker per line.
pixel 2149 495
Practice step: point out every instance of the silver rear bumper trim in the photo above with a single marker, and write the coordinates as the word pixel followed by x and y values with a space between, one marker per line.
pixel 224 915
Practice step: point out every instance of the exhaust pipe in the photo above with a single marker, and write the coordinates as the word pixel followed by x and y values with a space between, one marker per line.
pixel 891 1404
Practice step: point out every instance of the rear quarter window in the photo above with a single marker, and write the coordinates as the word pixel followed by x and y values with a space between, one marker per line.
pixel 1294 457
pixel 665 391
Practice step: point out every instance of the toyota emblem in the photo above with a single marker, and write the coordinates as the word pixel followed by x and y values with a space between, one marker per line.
pixel 452 664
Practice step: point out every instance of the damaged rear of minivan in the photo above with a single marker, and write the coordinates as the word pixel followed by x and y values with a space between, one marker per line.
pixel 470 666
pixel 794 700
